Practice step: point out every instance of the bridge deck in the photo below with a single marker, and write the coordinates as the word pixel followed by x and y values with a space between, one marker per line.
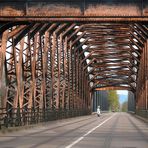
pixel 110 130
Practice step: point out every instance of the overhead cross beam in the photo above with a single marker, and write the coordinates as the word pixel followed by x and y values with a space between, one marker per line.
pixel 73 10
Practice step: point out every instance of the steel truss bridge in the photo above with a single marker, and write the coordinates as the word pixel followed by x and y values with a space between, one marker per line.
pixel 54 55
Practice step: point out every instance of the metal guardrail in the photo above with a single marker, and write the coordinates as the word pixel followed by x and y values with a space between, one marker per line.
pixel 20 117
pixel 142 113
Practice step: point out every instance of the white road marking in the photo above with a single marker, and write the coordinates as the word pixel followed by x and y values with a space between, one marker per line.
pixel 79 139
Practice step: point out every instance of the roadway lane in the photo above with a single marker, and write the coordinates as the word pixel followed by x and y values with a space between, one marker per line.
pixel 111 130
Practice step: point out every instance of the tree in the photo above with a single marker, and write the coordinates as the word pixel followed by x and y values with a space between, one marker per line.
pixel 124 106
pixel 113 100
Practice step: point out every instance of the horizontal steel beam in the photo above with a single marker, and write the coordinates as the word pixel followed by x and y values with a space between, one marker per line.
pixel 73 8
pixel 75 19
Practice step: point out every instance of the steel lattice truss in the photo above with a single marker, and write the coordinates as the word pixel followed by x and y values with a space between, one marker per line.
pixel 58 65
pixel 115 54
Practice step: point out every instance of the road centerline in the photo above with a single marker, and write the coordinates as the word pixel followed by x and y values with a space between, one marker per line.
pixel 90 131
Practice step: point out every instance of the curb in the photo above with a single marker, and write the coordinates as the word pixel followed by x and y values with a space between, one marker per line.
pixel 25 127
pixel 14 129
pixel 139 117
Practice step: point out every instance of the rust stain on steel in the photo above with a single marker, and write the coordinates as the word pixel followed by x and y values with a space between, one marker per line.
pixel 53 10
pixel 73 8
pixel 7 9
pixel 112 10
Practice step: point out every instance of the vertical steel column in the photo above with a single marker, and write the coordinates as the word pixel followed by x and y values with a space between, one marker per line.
pixel 141 93
pixel 48 67
pixel 146 74
pixel 27 73
pixel 45 44
pixel 11 76
pixel 3 46
pixel 19 73
pixel 66 73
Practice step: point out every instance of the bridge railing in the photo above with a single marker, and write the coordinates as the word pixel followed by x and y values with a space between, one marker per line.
pixel 142 113
pixel 20 117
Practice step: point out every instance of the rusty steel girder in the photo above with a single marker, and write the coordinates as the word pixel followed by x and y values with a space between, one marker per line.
pixel 70 10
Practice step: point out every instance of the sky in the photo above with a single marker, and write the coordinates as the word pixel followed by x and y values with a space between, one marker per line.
pixel 123 94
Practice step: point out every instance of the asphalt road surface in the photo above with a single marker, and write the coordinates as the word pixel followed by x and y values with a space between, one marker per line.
pixel 111 130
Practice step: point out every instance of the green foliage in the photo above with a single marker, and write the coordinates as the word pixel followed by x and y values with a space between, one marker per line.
pixel 113 100
pixel 124 106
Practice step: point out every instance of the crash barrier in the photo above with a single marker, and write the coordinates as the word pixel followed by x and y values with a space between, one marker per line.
pixel 142 113
pixel 21 117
